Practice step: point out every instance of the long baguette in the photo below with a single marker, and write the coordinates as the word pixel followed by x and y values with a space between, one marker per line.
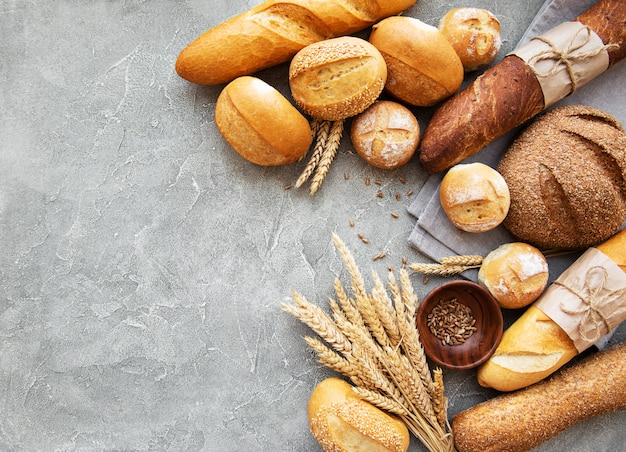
pixel 524 419
pixel 273 32
pixel 506 96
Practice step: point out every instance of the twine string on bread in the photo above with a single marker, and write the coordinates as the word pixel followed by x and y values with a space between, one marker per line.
pixel 593 301
pixel 566 57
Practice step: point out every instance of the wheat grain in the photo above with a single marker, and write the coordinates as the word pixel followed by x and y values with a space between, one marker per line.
pixel 384 308
pixel 316 319
pixel 438 269
pixel 381 401
pixel 440 403
pixel 467 260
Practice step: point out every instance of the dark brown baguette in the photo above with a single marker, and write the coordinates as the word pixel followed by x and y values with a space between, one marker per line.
pixel 505 96
pixel 521 420
pixel 273 32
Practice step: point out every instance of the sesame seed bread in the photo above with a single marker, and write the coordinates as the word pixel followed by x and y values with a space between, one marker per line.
pixel 337 78
pixel 343 422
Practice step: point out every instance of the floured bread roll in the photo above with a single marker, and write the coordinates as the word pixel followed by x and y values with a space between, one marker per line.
pixel 475 35
pixel 515 274
pixel 566 173
pixel 474 196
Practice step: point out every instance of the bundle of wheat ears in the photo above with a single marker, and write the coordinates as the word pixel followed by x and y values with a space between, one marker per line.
pixel 326 138
pixel 372 339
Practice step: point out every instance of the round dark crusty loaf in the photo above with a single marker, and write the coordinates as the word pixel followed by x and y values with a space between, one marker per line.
pixel 566 173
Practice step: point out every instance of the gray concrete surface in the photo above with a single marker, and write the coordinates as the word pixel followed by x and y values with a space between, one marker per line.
pixel 143 261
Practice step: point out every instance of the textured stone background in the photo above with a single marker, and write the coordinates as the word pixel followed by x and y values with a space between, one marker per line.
pixel 143 261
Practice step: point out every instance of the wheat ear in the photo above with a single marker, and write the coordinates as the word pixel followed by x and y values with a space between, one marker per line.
pixel 330 150
pixel 320 130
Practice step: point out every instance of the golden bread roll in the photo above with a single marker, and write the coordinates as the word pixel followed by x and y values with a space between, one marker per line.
pixel 423 67
pixel 522 420
pixel 474 34
pixel 535 346
pixel 515 273
pixel 261 124
pixel 337 78
pixel 474 196
pixel 385 135
pixel 567 175
pixel 343 422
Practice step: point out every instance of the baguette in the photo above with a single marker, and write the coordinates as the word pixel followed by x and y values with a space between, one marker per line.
pixel 524 419
pixel 535 346
pixel 272 33
pixel 506 96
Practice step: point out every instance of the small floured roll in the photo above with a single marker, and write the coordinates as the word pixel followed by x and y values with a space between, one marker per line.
pixel 343 422
pixel 337 78
pixel 385 135
pixel 474 196
pixel 475 35
pixel 261 124
pixel 515 273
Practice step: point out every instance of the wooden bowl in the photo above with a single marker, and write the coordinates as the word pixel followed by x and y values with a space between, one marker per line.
pixel 473 349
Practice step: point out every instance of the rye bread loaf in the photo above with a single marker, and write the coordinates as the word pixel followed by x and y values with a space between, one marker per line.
pixel 566 174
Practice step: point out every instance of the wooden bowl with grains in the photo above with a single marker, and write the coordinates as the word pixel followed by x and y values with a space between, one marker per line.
pixel 460 324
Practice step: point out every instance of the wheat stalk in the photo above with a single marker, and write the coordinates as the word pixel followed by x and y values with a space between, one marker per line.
pixel 320 130
pixel 470 260
pixel 328 155
pixel 392 374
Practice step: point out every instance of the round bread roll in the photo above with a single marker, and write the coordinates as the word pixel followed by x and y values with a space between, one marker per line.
pixel 423 68
pixel 385 135
pixel 261 124
pixel 343 422
pixel 474 34
pixel 515 273
pixel 474 196
pixel 337 78
pixel 566 173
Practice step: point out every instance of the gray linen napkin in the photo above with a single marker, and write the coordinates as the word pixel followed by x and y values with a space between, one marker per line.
pixel 434 235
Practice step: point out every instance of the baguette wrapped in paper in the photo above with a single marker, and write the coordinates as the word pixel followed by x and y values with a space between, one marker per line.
pixel 581 306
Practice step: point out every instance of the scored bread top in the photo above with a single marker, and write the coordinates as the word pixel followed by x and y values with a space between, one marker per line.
pixel 567 176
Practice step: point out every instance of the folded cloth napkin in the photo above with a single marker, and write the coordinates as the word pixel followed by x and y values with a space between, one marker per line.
pixel 433 235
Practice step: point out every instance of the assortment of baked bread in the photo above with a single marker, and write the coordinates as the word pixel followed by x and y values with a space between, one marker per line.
pixel 561 185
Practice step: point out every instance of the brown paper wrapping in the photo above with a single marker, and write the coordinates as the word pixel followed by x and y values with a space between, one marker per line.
pixel 588 300
pixel 564 59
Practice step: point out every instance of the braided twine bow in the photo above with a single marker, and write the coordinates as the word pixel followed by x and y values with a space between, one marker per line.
pixel 593 301
pixel 566 57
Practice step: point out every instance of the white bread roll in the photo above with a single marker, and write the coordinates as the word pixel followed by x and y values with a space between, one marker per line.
pixel 343 422
pixel 515 273
pixel 474 34
pixel 423 66
pixel 261 124
pixel 337 78
pixel 474 196
pixel 385 135
pixel 535 346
